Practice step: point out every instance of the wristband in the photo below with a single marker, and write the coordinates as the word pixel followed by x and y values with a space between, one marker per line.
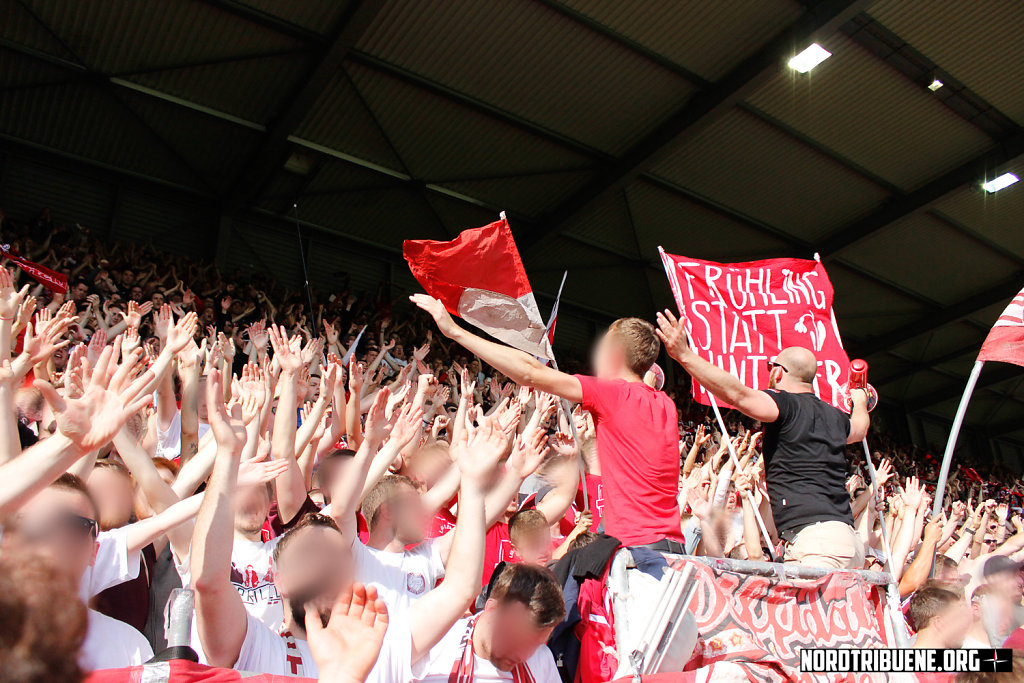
pixel 970 531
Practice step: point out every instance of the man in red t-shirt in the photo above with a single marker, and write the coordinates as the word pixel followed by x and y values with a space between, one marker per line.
pixel 637 436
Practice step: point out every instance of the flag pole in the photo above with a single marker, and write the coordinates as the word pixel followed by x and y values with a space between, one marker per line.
pixel 947 457
pixel 718 413
pixel 565 404
pixel 735 459
pixel 892 591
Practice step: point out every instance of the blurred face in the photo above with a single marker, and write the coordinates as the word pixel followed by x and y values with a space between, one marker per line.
pixel 608 358
pixel 1008 584
pixel 996 610
pixel 158 299
pixel 514 636
pixel 79 291
pixel 252 505
pixel 313 567
pixel 407 515
pixel 535 547
pixel 955 622
pixel 60 525
pixel 114 493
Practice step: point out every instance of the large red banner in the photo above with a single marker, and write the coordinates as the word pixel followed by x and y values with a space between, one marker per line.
pixel 740 315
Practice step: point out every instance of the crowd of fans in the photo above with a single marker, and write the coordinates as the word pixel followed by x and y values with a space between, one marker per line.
pixel 354 496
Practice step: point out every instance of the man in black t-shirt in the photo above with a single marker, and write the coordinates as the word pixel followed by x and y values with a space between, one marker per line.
pixel 804 448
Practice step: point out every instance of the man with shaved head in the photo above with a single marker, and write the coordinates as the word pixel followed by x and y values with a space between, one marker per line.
pixel 804 448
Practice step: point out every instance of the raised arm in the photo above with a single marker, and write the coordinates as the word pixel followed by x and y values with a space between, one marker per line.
pixel 726 387
pixel 291 488
pixel 435 613
pixel 84 424
pixel 345 498
pixel 220 614
pixel 520 367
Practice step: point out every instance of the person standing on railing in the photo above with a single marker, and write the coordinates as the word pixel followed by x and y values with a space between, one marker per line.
pixel 804 447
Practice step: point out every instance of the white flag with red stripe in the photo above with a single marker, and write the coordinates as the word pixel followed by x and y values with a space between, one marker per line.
pixel 1005 341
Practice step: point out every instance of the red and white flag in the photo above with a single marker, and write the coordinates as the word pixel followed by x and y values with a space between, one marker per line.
pixel 479 277
pixel 1005 342
pixel 740 315
pixel 51 279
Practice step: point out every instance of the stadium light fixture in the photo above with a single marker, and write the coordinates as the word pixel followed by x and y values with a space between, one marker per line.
pixel 808 59
pixel 999 183
pixel 935 84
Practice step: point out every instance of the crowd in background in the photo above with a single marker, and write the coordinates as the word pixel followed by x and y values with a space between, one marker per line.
pixel 191 470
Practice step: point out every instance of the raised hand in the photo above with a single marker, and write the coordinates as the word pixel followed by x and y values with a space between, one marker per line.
pixel 479 451
pixel 25 311
pixel 420 353
pixel 355 375
pixel 407 426
pixel 136 311
pixel 258 335
pixel 179 335
pixel 672 333
pixel 10 298
pixel 884 472
pixel 466 386
pixel 313 349
pixel 162 320
pixel 330 333
pixel 528 452
pixel 347 648
pixel 229 435
pixel 109 398
pixel 130 340
pixel 258 470
pixel 377 426
pixel 286 351
pixel 437 311
pixel 563 444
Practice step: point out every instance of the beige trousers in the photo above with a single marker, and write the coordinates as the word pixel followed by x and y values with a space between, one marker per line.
pixel 831 545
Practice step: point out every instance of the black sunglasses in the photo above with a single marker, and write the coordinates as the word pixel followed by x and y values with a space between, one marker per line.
pixel 773 364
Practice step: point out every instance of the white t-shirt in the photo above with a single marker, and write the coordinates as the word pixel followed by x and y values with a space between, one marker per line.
pixel 252 574
pixel 264 651
pixel 113 564
pixel 168 442
pixel 436 666
pixel 112 644
pixel 400 578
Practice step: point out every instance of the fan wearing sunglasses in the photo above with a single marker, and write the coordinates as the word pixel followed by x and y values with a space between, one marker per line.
pixel 60 523
pixel 805 442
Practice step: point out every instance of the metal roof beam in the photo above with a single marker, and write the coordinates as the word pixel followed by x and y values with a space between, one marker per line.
pixel 914 367
pixel 824 17
pixel 329 57
pixel 268 20
pixel 592 24
pixel 1004 291
pixel 902 206
pixel 989 378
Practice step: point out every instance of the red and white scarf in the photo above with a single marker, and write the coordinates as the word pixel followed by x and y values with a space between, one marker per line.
pixel 293 653
pixel 462 669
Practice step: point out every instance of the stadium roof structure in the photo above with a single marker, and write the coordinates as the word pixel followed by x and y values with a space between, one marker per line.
pixel 604 129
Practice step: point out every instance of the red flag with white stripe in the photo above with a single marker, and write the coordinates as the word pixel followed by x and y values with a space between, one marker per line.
pixel 1005 342
pixel 480 277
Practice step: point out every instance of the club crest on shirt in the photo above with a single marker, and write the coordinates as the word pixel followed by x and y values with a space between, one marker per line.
pixel 415 583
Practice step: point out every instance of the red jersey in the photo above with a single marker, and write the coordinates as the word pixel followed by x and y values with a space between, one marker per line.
pixel 497 549
pixel 638 447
